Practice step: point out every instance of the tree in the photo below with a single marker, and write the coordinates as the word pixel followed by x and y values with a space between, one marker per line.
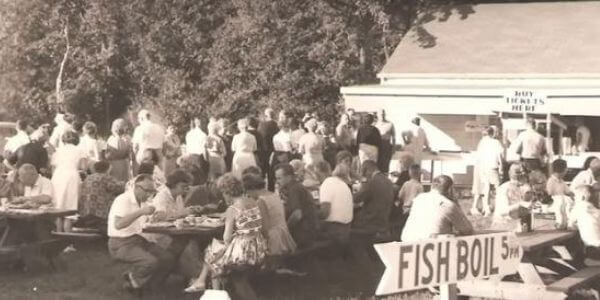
pixel 197 57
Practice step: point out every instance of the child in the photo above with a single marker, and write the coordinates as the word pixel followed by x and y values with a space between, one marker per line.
pixel 243 244
pixel 556 184
pixel 585 216
pixel 561 195
pixel 411 188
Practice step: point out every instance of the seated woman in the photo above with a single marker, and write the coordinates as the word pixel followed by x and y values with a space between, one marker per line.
pixel 314 176
pixel 243 243
pixel 97 194
pixel 170 205
pixel 275 228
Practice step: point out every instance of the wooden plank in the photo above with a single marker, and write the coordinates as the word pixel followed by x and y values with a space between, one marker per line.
pixel 529 274
pixel 507 290
pixel 540 239
pixel 575 280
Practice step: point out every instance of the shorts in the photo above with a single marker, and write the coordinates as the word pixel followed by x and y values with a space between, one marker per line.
pixel 491 176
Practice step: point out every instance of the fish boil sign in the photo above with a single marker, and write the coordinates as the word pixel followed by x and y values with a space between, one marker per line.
pixel 433 262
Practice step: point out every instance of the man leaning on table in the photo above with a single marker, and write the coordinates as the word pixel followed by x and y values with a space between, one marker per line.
pixel 151 264
pixel 436 213
pixel 36 191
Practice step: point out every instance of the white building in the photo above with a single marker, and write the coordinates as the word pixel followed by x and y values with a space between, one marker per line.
pixel 461 84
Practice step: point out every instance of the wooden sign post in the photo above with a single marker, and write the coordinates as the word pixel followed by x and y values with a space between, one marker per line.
pixel 446 261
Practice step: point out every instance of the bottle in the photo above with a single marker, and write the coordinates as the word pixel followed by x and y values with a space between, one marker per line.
pixel 526 221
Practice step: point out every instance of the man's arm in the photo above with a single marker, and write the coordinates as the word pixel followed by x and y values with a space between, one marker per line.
pixel 363 193
pixel 126 220
pixel 459 220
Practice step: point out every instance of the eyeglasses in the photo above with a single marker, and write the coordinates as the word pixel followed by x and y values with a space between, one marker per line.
pixel 149 191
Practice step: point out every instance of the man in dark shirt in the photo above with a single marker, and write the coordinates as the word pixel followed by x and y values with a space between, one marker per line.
pixel 368 139
pixel 267 129
pixel 377 197
pixel 32 153
pixel 300 208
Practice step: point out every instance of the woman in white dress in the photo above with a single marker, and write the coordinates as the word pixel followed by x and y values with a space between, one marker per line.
pixel 215 149
pixel 89 144
pixel 67 161
pixel 243 146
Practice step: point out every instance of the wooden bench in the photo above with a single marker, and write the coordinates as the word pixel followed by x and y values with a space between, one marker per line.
pixel 575 280
pixel 74 236
pixel 239 279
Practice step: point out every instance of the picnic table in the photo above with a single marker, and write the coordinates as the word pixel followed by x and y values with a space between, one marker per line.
pixel 27 235
pixel 550 269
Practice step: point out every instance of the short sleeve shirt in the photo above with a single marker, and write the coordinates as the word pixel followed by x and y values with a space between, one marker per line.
pixel 123 205
pixel 42 186
pixel 336 191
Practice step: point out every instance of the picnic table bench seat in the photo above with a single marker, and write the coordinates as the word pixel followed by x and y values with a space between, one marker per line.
pixel 576 280
pixel 85 235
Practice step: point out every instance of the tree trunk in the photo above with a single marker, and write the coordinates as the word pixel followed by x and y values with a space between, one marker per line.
pixel 59 93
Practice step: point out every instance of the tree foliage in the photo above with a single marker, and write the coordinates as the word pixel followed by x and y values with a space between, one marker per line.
pixel 195 57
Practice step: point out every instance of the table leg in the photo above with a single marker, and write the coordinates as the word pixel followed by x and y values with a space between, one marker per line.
pixel 5 235
pixel 529 273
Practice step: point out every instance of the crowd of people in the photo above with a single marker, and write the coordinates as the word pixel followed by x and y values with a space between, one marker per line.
pixel 280 187
pixel 283 183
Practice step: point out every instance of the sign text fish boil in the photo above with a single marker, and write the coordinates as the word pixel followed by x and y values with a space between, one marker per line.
pixel 433 262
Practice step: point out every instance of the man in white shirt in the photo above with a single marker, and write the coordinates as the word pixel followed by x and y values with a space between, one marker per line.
pixel 147 135
pixel 531 146
pixel 151 264
pixel 582 136
pixel 585 216
pixel 37 191
pixel 415 140
pixel 490 158
pixel 19 139
pixel 436 213
pixel 587 177
pixel 195 139
pixel 336 206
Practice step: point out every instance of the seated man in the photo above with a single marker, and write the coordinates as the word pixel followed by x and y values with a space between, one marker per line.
pixel 376 196
pixel 300 208
pixel 436 213
pixel 513 199
pixel 97 194
pixel 585 216
pixel 31 191
pixel 588 176
pixel 37 190
pixel 151 263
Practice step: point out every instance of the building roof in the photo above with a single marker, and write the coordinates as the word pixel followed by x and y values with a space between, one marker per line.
pixel 505 38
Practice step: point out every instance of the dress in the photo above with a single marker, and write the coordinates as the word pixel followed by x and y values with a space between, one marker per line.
pixel 311 147
pixel 171 152
pixel 65 178
pixel 278 237
pixel 215 148
pixel 247 248
pixel 118 153
pixel 243 146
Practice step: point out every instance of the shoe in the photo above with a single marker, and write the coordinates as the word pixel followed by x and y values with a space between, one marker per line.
pixel 475 212
pixel 129 285
pixel 195 287
pixel 69 249
pixel 284 271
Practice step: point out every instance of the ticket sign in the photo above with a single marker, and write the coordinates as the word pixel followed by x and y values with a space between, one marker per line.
pixel 433 262
pixel 524 101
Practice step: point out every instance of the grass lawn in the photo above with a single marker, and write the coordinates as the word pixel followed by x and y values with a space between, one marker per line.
pixel 89 273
